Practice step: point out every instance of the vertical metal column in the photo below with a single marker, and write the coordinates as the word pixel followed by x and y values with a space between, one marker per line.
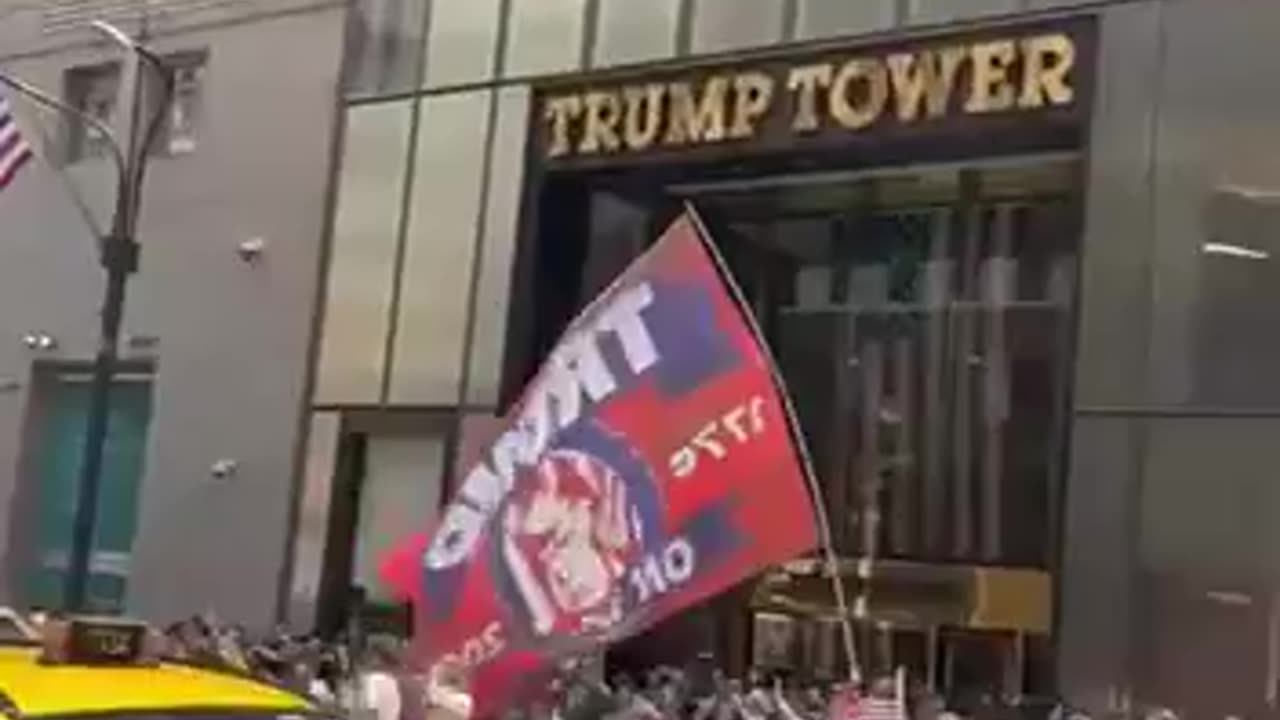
pixel 999 272
pixel 963 359
pixel 936 308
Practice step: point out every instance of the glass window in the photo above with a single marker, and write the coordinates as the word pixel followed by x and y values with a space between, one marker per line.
pixel 462 41
pixel 93 90
pixel 399 496
pixel 384 47
pixel 501 218
pixel 720 25
pixel 934 11
pixel 631 32
pixel 436 274
pixel 544 36
pixel 362 261
pixel 832 18
pixel 181 128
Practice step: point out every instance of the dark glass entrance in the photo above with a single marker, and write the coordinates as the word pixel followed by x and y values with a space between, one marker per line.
pixel 922 317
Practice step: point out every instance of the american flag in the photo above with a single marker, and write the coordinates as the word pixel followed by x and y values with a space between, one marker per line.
pixel 849 704
pixel 853 707
pixel 14 151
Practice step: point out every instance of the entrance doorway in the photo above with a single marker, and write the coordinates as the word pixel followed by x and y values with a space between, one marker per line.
pixel 921 317
pixel 56 432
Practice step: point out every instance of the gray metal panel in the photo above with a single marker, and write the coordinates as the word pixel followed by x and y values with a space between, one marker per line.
pixel 1114 305
pixel 1209 500
pixel 1097 574
pixel 1218 127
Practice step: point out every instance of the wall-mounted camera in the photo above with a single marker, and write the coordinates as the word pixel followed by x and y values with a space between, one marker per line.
pixel 224 469
pixel 251 250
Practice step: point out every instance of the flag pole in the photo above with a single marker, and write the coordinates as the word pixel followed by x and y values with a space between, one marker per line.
pixel 830 560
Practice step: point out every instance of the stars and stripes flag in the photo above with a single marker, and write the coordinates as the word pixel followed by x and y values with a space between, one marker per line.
pixel 14 150
pixel 849 704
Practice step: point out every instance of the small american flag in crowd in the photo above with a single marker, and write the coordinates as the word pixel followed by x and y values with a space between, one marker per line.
pixel 14 151
pixel 881 704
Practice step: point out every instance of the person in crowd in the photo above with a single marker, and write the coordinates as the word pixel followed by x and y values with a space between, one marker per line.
pixel 378 692
pixel 448 693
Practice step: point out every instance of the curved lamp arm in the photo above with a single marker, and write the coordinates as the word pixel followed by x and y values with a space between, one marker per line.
pixel 133 176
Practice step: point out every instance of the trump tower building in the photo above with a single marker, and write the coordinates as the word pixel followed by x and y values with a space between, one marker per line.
pixel 1013 258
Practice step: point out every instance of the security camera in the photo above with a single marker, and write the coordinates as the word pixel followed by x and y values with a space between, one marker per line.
pixel 224 469
pixel 250 250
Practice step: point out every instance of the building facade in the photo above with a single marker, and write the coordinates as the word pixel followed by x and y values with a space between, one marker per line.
pixel 1013 257
pixel 204 432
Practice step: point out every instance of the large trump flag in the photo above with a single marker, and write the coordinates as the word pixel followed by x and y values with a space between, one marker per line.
pixel 650 464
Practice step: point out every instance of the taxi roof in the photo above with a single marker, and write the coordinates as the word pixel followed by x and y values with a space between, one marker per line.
pixel 36 689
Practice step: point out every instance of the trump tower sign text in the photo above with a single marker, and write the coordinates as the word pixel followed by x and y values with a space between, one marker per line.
pixel 949 84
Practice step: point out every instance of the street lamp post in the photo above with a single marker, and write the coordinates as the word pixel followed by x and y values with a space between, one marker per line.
pixel 118 254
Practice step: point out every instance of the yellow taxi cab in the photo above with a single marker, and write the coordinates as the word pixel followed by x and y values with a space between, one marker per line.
pixel 112 670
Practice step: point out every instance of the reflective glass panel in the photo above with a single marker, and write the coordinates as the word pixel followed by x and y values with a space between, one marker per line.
pixel 720 25
pixel 384 46
pixel 544 36
pixel 461 42
pixel 501 216
pixel 362 260
pixel 435 278
pixel 630 31
pixel 832 18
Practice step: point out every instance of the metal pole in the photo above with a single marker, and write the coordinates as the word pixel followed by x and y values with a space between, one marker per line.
pixel 119 257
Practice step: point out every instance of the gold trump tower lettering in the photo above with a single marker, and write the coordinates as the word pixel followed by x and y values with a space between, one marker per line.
pixel 848 94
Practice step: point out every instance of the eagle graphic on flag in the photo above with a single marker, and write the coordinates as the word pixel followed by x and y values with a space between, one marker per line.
pixel 14 150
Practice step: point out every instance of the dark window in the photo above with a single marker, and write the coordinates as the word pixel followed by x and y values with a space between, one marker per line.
pixel 93 90
pixel 921 318
pixel 186 112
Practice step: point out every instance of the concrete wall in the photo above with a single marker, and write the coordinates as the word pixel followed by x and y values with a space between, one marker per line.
pixel 233 337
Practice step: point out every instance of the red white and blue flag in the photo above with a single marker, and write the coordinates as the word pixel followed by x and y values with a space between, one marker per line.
pixel 14 150
pixel 650 464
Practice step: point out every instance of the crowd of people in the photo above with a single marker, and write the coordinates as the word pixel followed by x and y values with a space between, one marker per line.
pixel 670 694
pixel 372 683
